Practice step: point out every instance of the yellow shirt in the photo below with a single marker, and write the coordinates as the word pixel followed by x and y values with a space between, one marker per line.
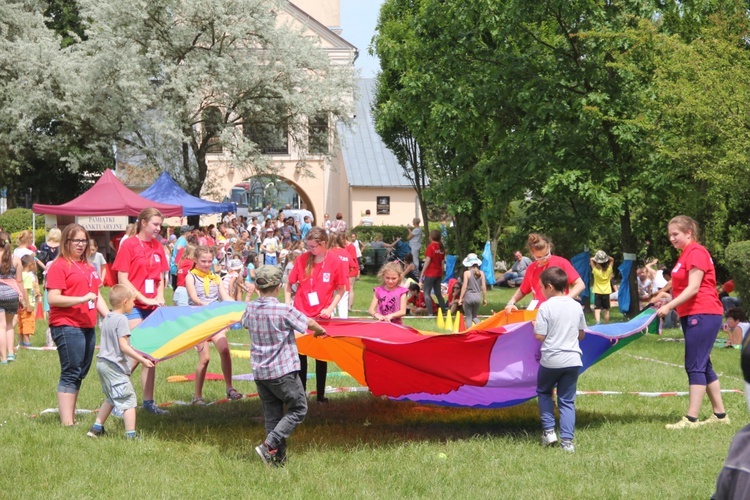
pixel 602 280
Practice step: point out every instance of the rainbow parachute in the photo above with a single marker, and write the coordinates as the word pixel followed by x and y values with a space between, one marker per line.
pixel 493 364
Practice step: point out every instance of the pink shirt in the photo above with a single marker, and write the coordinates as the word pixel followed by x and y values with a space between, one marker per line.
pixel 389 302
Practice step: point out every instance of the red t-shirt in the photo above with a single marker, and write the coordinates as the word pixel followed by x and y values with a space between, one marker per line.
pixel 73 279
pixel 142 260
pixel 353 262
pixel 183 269
pixel 116 240
pixel 418 301
pixel 706 301
pixel 437 256
pixel 326 277
pixel 531 278
pixel 343 256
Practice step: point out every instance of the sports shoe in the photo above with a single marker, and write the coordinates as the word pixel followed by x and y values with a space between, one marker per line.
pixel 95 433
pixel 152 408
pixel 713 419
pixel 11 358
pixel 266 454
pixel 684 423
pixel 567 445
pixel 549 437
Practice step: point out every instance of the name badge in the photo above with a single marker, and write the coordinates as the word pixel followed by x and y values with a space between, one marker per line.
pixel 92 305
pixel 149 286
pixel 157 259
pixel 312 298
pixel 326 277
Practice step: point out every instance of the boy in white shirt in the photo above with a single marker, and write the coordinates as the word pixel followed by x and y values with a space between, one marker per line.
pixel 560 325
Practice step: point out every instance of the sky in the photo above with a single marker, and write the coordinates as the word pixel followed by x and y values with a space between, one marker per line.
pixel 358 19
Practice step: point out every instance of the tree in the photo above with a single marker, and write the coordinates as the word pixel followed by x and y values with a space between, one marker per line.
pixel 36 147
pixel 388 108
pixel 170 80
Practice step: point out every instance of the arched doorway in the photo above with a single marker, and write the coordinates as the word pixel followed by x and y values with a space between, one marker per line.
pixel 252 194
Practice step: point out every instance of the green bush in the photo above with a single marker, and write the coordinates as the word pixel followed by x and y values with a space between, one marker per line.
pixel 737 256
pixel 16 220
pixel 365 234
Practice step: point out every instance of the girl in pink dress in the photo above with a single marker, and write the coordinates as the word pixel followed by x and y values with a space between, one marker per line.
pixel 389 302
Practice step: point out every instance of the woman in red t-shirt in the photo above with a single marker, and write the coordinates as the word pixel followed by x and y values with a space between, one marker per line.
pixel 73 293
pixel 432 271
pixel 541 249
pixel 139 265
pixel 321 283
pixel 697 303
pixel 337 246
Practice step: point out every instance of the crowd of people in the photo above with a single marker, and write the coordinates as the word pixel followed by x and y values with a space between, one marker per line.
pixel 317 267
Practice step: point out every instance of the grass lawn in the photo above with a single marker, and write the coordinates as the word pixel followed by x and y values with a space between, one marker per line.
pixel 362 447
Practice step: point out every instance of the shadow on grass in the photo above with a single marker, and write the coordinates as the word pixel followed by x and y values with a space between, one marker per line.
pixel 362 420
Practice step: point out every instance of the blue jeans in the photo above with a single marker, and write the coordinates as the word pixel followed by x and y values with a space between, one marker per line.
pixel 75 347
pixel 137 313
pixel 565 379
pixel 274 394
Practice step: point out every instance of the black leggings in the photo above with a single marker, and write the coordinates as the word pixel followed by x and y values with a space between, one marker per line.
pixel 321 371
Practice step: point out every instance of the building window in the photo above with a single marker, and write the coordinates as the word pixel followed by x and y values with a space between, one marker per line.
pixel 212 120
pixel 384 205
pixel 270 132
pixel 317 135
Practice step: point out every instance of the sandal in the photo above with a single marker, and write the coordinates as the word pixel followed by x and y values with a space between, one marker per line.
pixel 198 401
pixel 233 394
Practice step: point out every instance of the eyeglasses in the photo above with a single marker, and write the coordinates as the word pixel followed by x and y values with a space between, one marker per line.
pixel 549 254
pixel 78 242
pixel 311 247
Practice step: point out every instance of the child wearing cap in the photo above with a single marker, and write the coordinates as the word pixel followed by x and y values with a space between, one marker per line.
pixel 473 290
pixel 275 362
pixel 601 269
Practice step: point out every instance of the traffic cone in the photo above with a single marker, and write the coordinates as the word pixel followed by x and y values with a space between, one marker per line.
pixel 462 327
pixel 457 322
pixel 449 321
pixel 440 321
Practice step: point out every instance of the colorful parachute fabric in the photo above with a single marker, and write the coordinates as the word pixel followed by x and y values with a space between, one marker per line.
pixel 169 331
pixel 492 365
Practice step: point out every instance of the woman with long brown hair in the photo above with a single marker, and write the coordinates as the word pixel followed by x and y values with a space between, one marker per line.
pixel 320 282
pixel 74 299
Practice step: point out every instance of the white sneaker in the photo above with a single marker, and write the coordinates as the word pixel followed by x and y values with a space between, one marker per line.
pixel 549 437
pixel 568 446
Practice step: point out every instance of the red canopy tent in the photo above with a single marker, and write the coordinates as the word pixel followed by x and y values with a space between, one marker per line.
pixel 108 196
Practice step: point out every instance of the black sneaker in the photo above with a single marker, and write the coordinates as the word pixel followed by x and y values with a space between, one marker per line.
pixel 266 454
pixel 95 433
